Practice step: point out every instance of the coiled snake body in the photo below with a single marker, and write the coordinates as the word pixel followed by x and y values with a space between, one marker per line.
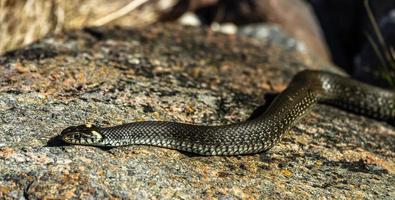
pixel 305 90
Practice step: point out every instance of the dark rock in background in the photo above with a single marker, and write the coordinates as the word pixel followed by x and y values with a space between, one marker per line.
pixel 344 24
pixel 111 76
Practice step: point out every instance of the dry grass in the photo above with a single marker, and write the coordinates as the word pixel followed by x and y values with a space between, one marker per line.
pixel 25 21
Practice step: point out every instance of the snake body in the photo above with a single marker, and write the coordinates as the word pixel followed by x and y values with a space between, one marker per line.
pixel 305 90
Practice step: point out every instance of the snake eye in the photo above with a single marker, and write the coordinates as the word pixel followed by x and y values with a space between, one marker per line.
pixel 77 136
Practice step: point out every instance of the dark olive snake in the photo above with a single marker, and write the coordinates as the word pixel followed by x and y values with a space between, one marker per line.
pixel 305 90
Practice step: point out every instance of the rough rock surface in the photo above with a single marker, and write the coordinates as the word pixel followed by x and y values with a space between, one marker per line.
pixel 114 75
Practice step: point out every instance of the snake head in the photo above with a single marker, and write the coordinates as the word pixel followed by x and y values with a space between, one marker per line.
pixel 82 134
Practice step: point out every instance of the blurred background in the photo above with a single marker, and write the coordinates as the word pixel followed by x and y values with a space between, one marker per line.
pixel 356 35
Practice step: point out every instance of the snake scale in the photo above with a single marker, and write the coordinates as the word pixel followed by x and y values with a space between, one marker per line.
pixel 306 89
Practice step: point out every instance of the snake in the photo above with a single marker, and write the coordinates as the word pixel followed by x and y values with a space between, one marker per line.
pixel 306 89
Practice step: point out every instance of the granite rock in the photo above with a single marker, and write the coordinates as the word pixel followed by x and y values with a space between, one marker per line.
pixel 114 75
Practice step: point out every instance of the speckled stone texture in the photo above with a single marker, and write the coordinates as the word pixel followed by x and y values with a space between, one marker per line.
pixel 110 76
